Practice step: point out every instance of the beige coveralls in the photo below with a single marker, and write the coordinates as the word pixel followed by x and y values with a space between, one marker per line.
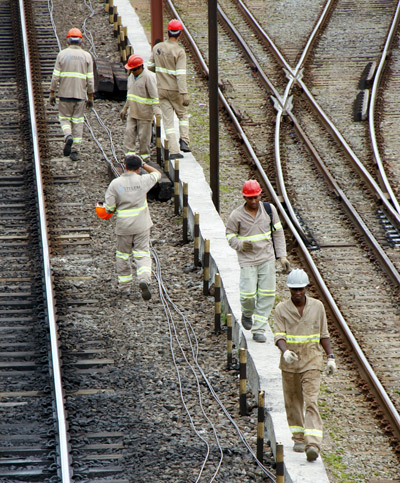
pixel 126 197
pixel 73 73
pixel 257 267
pixel 142 99
pixel 168 61
pixel 301 379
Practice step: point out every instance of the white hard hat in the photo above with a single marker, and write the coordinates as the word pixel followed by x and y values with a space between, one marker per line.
pixel 297 279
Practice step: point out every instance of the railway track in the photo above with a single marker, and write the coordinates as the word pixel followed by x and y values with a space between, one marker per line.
pixel 359 285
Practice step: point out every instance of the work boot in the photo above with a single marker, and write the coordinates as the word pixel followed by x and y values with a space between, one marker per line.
pixel 247 322
pixel 144 287
pixel 312 453
pixel 184 146
pixel 176 156
pixel 67 145
pixel 124 290
pixel 257 337
pixel 299 447
pixel 74 156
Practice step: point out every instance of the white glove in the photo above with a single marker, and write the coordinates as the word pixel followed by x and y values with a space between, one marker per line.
pixel 290 357
pixel 285 264
pixel 247 246
pixel 331 367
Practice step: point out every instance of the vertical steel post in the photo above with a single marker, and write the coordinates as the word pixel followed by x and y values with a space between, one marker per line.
pixel 242 383
pixel 185 212
pixel 260 426
pixel 206 267
pixel 229 341
pixel 196 240
pixel 156 12
pixel 111 11
pixel 213 100
pixel 217 299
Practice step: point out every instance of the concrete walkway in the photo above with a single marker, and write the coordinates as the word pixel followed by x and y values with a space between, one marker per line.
pixel 263 359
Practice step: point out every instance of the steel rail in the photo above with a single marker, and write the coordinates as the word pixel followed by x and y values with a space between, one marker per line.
pixel 296 75
pixel 365 369
pixel 371 110
pixel 284 106
pixel 66 468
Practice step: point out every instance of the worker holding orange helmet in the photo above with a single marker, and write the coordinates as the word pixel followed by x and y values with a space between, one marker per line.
pixel 140 108
pixel 73 75
pixel 255 232
pixel 168 61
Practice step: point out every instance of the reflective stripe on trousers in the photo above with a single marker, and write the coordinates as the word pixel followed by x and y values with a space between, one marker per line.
pixel 71 118
pixel 137 246
pixel 139 130
pixel 300 392
pixel 257 293
pixel 170 103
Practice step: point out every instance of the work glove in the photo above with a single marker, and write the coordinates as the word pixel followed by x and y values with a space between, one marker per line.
pixel 52 101
pixel 290 357
pixel 122 114
pixel 247 246
pixel 330 367
pixel 89 104
pixel 185 99
pixel 285 264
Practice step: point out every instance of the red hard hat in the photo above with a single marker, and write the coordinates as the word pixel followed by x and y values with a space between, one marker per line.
pixel 134 61
pixel 102 213
pixel 74 33
pixel 251 188
pixel 175 25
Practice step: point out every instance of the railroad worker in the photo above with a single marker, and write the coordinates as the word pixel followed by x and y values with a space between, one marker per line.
pixel 126 197
pixel 168 61
pixel 141 106
pixel 258 239
pixel 73 75
pixel 301 333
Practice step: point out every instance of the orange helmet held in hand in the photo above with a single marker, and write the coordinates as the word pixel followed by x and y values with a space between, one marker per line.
pixel 251 188
pixel 102 213
pixel 74 33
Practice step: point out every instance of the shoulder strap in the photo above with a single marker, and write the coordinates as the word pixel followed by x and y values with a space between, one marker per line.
pixel 268 209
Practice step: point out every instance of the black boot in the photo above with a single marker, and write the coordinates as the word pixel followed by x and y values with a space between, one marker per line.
pixel 184 146
pixel 67 145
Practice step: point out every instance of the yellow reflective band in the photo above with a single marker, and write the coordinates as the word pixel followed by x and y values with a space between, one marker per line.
pixel 303 339
pixel 151 64
pixel 130 152
pixel 255 238
pixel 89 75
pixel 77 140
pixel 313 432
pixel 141 270
pixel 231 235
pixel 260 318
pixel 296 429
pixel 76 75
pixel 170 71
pixel 144 156
pixel 280 333
pixel 124 256
pixel 184 123
pixel 56 72
pixel 140 254
pixel 142 100
pixel 125 278
pixel 131 213
pixel 156 174
pixel 77 120
pixel 268 293
pixel 64 118
pixel 110 208
pixel 170 131
pixel 278 226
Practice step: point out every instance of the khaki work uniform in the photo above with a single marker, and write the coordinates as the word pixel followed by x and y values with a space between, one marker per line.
pixel 257 267
pixel 142 99
pixel 73 74
pixel 301 379
pixel 168 61
pixel 126 197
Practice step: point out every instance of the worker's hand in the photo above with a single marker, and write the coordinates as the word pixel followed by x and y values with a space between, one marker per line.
pixel 122 114
pixel 330 367
pixel 89 104
pixel 52 100
pixel 290 357
pixel 247 246
pixel 285 264
pixel 185 99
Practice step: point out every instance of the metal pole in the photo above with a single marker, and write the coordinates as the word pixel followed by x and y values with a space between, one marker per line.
pixel 213 100
pixel 196 240
pixel 217 299
pixel 280 468
pixel 206 267
pixel 242 381
pixel 229 341
pixel 260 426
pixel 185 212
pixel 156 10
pixel 176 187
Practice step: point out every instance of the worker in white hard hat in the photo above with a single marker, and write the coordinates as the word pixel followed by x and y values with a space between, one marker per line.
pixel 256 233
pixel 301 334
